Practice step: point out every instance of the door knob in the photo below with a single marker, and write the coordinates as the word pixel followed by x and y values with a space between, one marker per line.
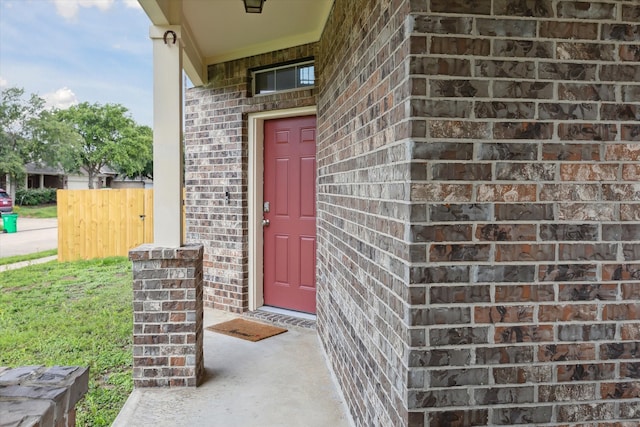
pixel 265 222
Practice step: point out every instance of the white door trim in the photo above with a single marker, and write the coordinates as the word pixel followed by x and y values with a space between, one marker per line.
pixel 255 190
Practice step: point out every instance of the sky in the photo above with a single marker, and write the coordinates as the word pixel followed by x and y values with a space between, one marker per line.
pixel 73 51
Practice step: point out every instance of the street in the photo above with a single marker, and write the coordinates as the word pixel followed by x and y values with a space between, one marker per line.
pixel 33 235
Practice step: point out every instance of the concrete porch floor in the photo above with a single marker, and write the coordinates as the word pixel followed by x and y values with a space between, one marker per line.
pixel 280 381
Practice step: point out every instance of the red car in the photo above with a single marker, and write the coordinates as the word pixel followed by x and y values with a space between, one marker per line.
pixel 6 204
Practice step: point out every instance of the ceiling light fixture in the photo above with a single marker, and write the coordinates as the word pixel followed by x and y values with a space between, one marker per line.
pixel 253 6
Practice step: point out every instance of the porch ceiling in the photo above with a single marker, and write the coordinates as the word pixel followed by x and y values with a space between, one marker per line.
pixel 215 31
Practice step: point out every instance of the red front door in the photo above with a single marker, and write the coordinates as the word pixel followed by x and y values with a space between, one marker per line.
pixel 290 199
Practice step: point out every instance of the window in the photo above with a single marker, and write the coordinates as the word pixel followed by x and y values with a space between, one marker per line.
pixel 286 77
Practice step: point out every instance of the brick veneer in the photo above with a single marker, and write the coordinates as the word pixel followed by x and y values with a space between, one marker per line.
pixel 167 316
pixel 216 162
pixel 478 206
pixel 364 166
pixel 525 234
pixel 493 281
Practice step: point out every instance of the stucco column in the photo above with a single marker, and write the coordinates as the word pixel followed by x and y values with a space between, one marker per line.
pixel 12 187
pixel 167 135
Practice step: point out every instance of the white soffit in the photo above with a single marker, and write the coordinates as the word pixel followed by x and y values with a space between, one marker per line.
pixel 221 30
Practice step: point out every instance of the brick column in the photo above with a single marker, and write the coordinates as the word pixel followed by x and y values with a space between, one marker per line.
pixel 167 310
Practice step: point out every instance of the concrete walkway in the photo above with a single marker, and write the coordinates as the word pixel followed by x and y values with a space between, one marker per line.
pixel 33 235
pixel 280 381
pixel 21 264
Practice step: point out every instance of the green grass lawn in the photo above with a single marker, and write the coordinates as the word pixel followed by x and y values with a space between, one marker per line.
pixel 42 211
pixel 75 313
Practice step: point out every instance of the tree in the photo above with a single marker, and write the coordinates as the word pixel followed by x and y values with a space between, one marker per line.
pixel 109 137
pixel 86 136
pixel 142 164
pixel 14 114
pixel 53 143
pixel 30 133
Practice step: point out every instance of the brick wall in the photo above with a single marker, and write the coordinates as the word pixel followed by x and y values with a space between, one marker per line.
pixel 216 150
pixel 364 164
pixel 520 304
pixel 525 217
pixel 478 206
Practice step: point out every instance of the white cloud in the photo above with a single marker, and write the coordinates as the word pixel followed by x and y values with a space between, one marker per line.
pixel 132 4
pixel 62 98
pixel 3 82
pixel 66 54
pixel 68 9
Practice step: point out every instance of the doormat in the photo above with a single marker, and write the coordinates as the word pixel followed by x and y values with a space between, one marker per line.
pixel 246 329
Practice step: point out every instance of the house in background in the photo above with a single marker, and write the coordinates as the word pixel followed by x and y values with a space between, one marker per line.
pixel 5 181
pixel 39 176
pixel 43 177
pixel 455 197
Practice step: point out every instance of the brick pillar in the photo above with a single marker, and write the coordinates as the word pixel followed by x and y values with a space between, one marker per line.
pixel 167 311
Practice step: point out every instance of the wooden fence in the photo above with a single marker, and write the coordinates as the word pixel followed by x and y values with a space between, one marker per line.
pixel 102 223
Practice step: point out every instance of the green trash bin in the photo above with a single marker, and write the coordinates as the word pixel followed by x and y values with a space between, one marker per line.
pixel 10 222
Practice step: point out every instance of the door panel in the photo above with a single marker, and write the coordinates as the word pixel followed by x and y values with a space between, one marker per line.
pixel 308 180
pixel 281 248
pixel 307 262
pixel 290 237
pixel 281 196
